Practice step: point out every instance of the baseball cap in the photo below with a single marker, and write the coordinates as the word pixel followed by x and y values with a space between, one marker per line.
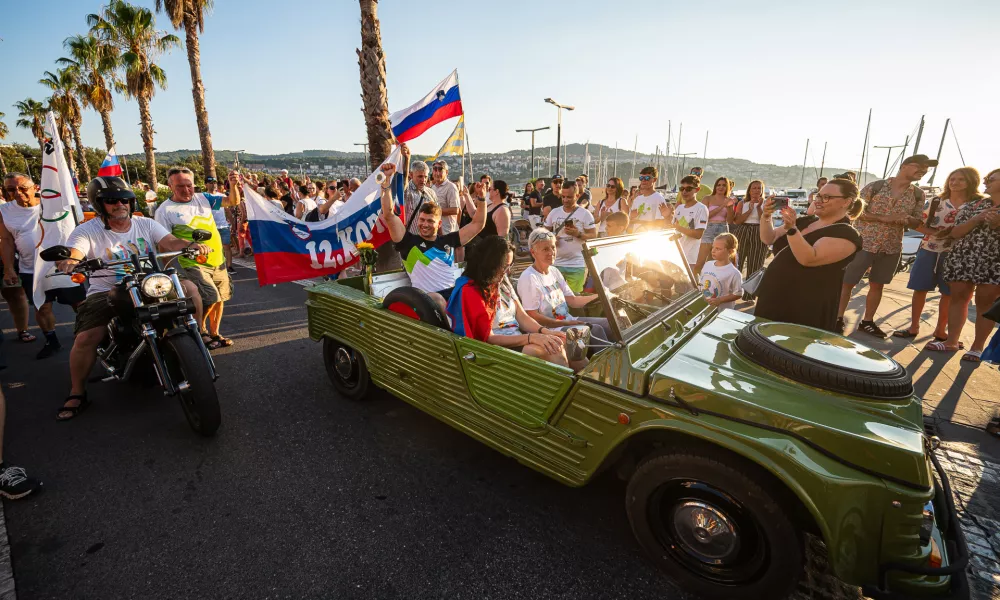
pixel 921 159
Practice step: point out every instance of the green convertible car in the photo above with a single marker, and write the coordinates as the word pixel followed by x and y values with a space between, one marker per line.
pixel 737 435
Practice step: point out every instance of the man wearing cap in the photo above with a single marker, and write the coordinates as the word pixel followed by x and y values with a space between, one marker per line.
pixel 553 197
pixel 893 205
pixel 447 196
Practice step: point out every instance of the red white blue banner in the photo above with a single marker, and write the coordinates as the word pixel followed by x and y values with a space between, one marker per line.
pixel 442 103
pixel 288 249
pixel 110 167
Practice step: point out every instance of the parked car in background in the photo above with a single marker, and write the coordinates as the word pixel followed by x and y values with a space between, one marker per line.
pixel 911 243
pixel 798 199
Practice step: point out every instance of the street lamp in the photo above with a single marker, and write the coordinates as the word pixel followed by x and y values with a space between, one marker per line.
pixel 367 167
pixel 532 145
pixel 237 163
pixel 559 110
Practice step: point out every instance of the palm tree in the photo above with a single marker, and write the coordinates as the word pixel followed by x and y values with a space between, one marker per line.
pixel 3 135
pixel 189 15
pixel 31 116
pixel 65 83
pixel 131 31
pixel 97 63
pixel 371 61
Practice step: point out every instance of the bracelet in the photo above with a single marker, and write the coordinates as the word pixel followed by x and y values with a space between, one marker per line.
pixel 529 339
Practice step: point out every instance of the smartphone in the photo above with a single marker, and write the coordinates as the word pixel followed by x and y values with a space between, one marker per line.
pixel 780 203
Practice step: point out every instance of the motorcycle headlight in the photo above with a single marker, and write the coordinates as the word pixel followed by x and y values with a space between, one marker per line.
pixel 157 286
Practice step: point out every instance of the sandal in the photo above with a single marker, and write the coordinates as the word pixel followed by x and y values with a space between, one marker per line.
pixel 213 343
pixel 73 411
pixel 972 356
pixel 224 342
pixel 25 337
pixel 939 347
pixel 905 334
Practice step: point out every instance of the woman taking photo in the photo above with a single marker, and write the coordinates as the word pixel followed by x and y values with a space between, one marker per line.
pixel 483 305
pixel 614 201
pixel 802 284
pixel 718 204
pixel 746 225
pixel 973 268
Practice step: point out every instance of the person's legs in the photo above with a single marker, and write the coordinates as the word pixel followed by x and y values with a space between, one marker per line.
pixel 958 312
pixel 872 300
pixel 845 297
pixel 944 305
pixel 704 250
pixel 191 291
pixel 986 295
pixel 539 352
pixel 47 323
pixel 14 482
pixel 917 302
pixel 17 301
pixel 852 277
pixel 81 360
pixel 213 317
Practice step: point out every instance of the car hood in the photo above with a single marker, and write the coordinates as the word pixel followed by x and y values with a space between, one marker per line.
pixel 711 375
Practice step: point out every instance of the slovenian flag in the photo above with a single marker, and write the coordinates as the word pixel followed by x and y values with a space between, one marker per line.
pixel 110 167
pixel 288 249
pixel 443 103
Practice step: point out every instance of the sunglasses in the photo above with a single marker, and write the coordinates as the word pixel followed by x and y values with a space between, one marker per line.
pixel 439 168
pixel 332 188
pixel 645 177
pixel 114 201
pixel 13 190
pixel 687 188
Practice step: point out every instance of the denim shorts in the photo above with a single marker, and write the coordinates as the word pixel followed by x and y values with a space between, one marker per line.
pixel 927 272
pixel 224 236
pixel 712 231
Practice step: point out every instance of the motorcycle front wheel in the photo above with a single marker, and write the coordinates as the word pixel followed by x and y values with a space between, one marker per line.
pixel 199 398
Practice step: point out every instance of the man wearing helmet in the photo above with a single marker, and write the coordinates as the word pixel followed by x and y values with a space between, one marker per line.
pixel 114 235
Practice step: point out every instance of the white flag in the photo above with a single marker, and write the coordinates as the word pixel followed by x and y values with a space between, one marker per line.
pixel 59 203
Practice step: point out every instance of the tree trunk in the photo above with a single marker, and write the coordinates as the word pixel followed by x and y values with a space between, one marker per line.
pixel 198 91
pixel 3 165
pixel 67 142
pixel 147 140
pixel 371 61
pixel 81 151
pixel 109 135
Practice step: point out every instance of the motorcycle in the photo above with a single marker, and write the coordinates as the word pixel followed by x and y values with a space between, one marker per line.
pixel 155 326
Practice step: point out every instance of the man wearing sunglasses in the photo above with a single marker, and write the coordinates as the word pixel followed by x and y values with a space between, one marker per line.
pixel 20 228
pixel 690 219
pixel 447 196
pixel 703 190
pixel 552 198
pixel 649 208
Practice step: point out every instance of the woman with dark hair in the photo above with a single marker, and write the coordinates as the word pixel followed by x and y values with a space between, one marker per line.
pixel 746 225
pixel 497 211
pixel 719 204
pixel 614 201
pixel 484 306
pixel 802 284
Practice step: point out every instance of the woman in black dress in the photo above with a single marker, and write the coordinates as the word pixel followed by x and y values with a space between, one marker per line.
pixel 802 283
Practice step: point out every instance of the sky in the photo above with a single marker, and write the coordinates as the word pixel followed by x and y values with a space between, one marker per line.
pixel 760 77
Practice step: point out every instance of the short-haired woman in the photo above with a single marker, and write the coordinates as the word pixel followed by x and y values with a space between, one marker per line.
pixel 973 268
pixel 614 201
pixel 484 306
pixel 746 226
pixel 802 284
pixel 719 204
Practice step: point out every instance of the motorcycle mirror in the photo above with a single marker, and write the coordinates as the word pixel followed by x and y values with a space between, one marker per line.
pixel 201 235
pixel 55 253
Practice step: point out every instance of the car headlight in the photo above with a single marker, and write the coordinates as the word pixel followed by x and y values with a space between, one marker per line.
pixel 926 524
pixel 157 286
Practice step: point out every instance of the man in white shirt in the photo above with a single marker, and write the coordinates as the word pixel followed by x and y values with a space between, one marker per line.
pixel 183 213
pixel 650 210
pixel 150 198
pixel 447 196
pixel 573 225
pixel 690 219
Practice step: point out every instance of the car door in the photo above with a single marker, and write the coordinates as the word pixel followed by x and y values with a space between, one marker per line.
pixel 520 388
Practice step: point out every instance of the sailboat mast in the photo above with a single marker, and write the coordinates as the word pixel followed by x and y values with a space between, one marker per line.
pixel 947 122
pixel 822 162
pixel 802 180
pixel 864 150
pixel 920 133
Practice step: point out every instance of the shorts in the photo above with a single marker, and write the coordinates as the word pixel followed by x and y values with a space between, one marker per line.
pixel 96 311
pixel 927 272
pixel 712 231
pixel 883 267
pixel 213 283
pixel 225 235
pixel 68 296
pixel 575 277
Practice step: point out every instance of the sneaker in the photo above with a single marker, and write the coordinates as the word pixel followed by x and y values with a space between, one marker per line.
pixel 871 328
pixel 15 483
pixel 841 326
pixel 231 270
pixel 48 350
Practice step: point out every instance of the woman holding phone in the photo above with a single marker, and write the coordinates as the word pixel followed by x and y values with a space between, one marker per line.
pixel 746 220
pixel 802 284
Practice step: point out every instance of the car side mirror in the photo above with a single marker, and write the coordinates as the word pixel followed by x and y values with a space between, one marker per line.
pixel 201 235
pixel 55 253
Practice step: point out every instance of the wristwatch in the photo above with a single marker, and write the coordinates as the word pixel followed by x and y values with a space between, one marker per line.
pixel 792 231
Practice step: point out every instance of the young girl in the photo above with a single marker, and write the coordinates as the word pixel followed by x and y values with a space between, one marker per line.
pixel 721 281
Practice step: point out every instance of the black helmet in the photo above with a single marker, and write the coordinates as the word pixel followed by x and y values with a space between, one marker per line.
pixel 102 188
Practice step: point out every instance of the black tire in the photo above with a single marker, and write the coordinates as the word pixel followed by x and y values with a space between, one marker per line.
pixel 756 551
pixel 346 369
pixel 201 400
pixel 405 300
pixel 754 345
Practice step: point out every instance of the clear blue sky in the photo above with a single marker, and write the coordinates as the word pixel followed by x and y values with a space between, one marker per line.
pixel 762 77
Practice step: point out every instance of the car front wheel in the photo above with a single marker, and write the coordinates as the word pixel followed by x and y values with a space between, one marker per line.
pixel 346 368
pixel 713 528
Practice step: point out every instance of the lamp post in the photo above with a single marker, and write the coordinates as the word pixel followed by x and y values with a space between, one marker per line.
pixel 236 164
pixel 532 131
pixel 365 144
pixel 559 109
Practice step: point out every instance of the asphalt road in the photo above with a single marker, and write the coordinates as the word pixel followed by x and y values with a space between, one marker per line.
pixel 300 495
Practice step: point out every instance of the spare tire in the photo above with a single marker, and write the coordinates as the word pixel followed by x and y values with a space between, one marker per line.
pixel 416 304
pixel 825 360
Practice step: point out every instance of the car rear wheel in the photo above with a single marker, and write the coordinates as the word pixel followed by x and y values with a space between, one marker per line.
pixel 713 528
pixel 346 368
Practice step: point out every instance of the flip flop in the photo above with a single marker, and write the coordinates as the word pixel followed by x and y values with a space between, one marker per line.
pixel 972 356
pixel 905 334
pixel 25 337
pixel 939 347
pixel 223 341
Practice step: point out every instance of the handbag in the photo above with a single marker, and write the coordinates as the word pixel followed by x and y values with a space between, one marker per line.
pixel 751 283
pixel 993 314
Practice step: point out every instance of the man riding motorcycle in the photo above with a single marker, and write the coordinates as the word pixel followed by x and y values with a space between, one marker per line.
pixel 114 235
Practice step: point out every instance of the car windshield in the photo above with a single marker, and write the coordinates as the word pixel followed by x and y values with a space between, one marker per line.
pixel 638 277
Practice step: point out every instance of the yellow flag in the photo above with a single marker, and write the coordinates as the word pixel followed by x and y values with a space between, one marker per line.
pixel 455 145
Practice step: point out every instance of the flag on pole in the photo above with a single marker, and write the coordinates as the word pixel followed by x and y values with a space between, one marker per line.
pixel 110 167
pixel 60 211
pixel 455 145
pixel 442 103
pixel 288 249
